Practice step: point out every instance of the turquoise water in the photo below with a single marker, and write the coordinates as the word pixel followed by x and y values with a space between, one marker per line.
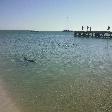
pixel 70 74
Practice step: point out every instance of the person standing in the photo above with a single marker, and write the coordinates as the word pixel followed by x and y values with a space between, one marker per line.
pixel 90 28
pixel 82 27
pixel 87 28
pixel 108 28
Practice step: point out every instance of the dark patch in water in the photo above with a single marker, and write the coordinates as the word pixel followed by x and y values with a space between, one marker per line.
pixel 29 60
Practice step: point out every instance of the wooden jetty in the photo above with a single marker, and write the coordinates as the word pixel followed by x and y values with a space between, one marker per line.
pixel 93 34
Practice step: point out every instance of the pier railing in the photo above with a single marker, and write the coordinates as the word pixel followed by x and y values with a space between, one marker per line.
pixel 93 34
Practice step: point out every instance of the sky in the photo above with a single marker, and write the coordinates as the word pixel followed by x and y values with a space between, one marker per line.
pixel 55 15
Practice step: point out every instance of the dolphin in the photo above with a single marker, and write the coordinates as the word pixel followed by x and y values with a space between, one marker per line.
pixel 29 60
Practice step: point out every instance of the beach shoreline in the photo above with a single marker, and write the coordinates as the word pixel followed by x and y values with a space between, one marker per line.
pixel 6 103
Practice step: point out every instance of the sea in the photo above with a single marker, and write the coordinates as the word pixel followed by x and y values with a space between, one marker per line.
pixel 56 72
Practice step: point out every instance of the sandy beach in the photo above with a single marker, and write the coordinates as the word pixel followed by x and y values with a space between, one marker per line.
pixel 6 103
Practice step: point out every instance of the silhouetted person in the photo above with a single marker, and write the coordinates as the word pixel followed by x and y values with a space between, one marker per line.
pixel 90 28
pixel 82 27
pixel 108 28
pixel 87 28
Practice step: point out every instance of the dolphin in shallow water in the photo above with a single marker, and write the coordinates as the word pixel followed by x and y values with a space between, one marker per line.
pixel 29 60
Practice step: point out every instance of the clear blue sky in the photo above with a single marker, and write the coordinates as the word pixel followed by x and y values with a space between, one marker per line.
pixel 55 14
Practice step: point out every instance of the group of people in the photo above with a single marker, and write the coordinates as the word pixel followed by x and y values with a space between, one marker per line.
pixel 87 28
pixel 90 28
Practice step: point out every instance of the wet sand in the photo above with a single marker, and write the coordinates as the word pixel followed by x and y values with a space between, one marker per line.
pixel 6 103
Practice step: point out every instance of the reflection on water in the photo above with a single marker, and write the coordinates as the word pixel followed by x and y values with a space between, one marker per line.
pixel 70 74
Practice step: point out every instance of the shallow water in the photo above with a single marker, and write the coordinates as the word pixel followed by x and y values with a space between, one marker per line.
pixel 70 74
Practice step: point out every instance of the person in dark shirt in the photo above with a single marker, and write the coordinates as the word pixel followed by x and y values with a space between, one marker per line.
pixel 108 28
pixel 87 28
pixel 82 27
